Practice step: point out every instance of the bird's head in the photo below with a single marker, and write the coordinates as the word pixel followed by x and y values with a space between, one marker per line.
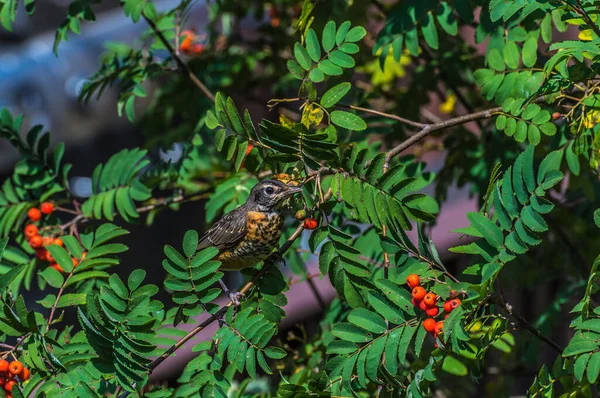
pixel 268 194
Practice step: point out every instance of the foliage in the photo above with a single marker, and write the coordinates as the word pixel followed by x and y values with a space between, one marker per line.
pixel 519 113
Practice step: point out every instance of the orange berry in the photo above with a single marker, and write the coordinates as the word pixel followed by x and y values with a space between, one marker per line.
pixel 429 325
pixel 46 241
pixel 58 242
pixel 34 214
pixel 30 231
pixel 555 115
pixel 3 365
pixel 413 280
pixel 310 223
pixel 250 146
pixel 418 293
pixel 47 208
pixel 36 241
pixel 187 42
pixel 24 375
pixel 439 326
pixel 56 267
pixel 83 255
pixel 455 303
pixel 8 386
pixel 49 257
pixel 430 299
pixel 453 293
pixel 448 307
pixel 15 367
pixel 433 311
pixel 422 306
pixel 75 262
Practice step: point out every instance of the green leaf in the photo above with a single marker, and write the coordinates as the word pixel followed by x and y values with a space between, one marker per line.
pixel 368 320
pixel 340 36
pixel 316 75
pixel 579 347
pixel 312 45
pixel 495 60
pixel 430 31
pixel 302 57
pixel 593 368
pixel 348 120
pixel 580 365
pixel 355 34
pixel 454 366
pixel 295 69
pixel 335 94
pixel 511 54
pixel 530 52
pixel 350 332
pixel 329 36
pixel 490 231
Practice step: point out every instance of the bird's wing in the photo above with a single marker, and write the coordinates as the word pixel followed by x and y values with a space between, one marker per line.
pixel 225 233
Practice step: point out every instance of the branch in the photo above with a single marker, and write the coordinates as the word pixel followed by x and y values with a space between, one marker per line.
pixel 386 115
pixel 178 59
pixel 587 18
pixel 524 323
pixel 60 292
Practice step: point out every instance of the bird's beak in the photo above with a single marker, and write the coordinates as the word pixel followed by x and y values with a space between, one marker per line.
pixel 291 191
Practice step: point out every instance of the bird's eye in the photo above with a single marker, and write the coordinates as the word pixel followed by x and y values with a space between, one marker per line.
pixel 269 190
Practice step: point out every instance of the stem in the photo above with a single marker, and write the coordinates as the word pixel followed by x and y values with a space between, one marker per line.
pixel 179 61
pixel 508 308
pixel 587 18
pixel 60 292
pixel 386 115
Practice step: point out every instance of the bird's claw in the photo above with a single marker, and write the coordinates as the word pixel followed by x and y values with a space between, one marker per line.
pixel 235 298
pixel 278 258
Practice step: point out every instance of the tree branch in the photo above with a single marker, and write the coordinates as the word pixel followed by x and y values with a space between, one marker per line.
pixel 179 61
pixel 386 115
pixel 524 323
pixel 587 18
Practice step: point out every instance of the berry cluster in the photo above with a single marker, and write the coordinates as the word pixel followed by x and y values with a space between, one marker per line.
pixel 39 242
pixel 428 302
pixel 10 374
pixel 308 222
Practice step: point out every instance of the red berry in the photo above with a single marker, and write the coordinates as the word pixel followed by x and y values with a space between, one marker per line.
pixel 418 293
pixel 555 115
pixel 49 257
pixel 455 303
pixel 9 385
pixel 31 230
pixel 2 381
pixel 40 253
pixel 47 208
pixel 3 365
pixel 439 326
pixel 446 316
pixel 448 307
pixel 429 325
pixel 24 375
pixel 433 311
pixel 430 299
pixel 56 267
pixel 415 302
pixel 34 214
pixel 15 367
pixel 250 146
pixel 36 242
pixel 422 305
pixel 310 223
pixel 413 280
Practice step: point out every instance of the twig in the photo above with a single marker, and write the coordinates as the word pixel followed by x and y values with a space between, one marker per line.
pixel 178 59
pixel 587 18
pixel 524 323
pixel 60 292
pixel 383 114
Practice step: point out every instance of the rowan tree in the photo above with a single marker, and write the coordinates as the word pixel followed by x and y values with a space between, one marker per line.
pixel 361 94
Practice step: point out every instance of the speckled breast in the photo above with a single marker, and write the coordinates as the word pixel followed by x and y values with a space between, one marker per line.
pixel 264 231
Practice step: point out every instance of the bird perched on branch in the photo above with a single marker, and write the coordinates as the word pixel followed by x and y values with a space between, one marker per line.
pixel 247 235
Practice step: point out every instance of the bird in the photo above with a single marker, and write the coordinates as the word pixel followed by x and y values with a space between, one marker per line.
pixel 248 234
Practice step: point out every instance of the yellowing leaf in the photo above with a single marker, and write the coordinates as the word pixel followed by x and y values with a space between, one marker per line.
pixel 447 106
pixel 586 35
pixel 392 69
pixel 312 115
pixel 286 121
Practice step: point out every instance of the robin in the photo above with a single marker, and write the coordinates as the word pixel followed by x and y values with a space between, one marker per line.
pixel 247 235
